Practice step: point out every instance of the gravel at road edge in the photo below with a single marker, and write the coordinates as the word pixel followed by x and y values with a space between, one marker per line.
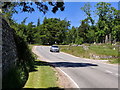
pixel 63 80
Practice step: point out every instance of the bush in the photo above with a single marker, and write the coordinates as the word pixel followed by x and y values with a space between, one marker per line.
pixel 18 75
pixel 79 41
pixel 25 55
pixel 15 78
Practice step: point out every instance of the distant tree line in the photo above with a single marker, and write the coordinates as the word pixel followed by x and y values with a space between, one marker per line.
pixel 52 31
pixel 106 30
pixel 57 31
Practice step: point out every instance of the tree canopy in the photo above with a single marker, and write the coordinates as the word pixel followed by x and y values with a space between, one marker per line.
pixel 28 6
pixel 57 31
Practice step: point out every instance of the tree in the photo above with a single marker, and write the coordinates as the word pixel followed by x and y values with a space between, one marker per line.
pixel 9 8
pixel 86 9
pixel 71 35
pixel 106 23
pixel 24 20
pixel 82 31
pixel 53 30
pixel 87 31
pixel 28 6
pixel 115 27
pixel 30 32
pixel 38 22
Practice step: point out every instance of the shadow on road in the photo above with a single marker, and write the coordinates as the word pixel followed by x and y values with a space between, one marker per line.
pixel 64 64
pixel 71 64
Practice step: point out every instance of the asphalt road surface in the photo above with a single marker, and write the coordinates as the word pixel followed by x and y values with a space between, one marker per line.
pixel 85 73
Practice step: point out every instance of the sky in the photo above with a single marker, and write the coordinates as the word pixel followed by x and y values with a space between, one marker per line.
pixel 72 13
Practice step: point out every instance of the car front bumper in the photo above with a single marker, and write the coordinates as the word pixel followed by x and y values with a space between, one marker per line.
pixel 55 50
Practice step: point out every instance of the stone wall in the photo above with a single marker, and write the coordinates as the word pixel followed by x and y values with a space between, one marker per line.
pixel 0 53
pixel 9 51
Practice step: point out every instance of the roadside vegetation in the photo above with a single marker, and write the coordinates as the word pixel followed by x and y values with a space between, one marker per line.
pixel 43 76
pixel 18 75
pixel 56 31
pixel 94 51
pixel 59 31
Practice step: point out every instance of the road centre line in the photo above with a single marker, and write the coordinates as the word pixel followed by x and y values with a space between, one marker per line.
pixel 115 74
pixel 108 71
pixel 104 70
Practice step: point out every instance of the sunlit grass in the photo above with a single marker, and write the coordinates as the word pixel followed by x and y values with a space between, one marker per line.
pixel 104 51
pixel 42 77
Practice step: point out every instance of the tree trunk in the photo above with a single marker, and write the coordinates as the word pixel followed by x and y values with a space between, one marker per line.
pixel 110 40
pixel 106 39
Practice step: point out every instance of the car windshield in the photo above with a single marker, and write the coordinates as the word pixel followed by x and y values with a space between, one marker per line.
pixel 55 46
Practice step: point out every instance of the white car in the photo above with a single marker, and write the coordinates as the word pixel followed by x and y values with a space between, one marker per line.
pixel 54 48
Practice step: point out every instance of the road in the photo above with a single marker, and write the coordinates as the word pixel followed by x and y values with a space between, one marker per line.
pixel 85 73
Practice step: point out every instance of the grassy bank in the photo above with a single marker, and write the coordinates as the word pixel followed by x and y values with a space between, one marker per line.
pixel 43 76
pixel 94 51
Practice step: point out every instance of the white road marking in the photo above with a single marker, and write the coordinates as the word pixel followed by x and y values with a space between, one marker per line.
pixel 116 74
pixel 70 78
pixel 108 71
pixel 92 67
pixel 63 73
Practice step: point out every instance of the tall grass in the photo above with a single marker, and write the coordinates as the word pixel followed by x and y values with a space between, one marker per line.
pixel 103 51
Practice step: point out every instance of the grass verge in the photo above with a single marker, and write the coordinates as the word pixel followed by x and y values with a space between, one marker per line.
pixel 43 76
pixel 97 51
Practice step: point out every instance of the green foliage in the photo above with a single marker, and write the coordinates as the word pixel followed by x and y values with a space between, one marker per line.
pixel 91 36
pixel 26 58
pixel 86 9
pixel 75 50
pixel 79 41
pixel 56 31
pixel 82 31
pixel 104 51
pixel 71 35
pixel 18 75
pixel 106 24
pixel 43 76
pixel 38 22
pixel 28 6
pixel 52 31
pixel 15 78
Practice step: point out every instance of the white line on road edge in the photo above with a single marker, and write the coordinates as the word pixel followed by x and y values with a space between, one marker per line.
pixel 62 72
pixel 69 78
